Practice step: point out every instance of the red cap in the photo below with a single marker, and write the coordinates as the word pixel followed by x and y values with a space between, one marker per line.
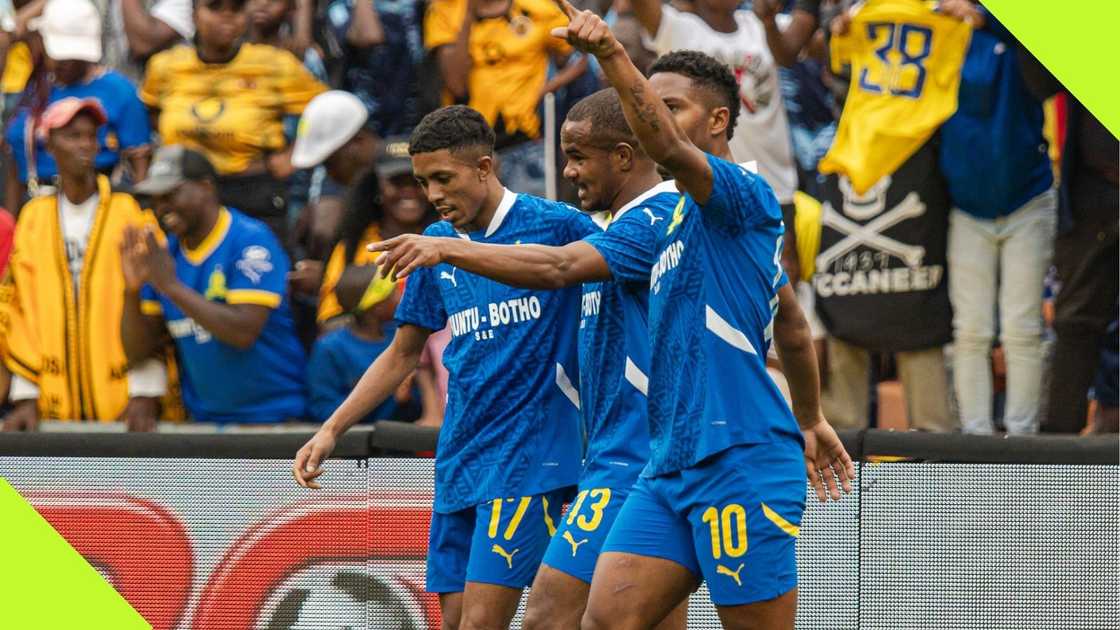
pixel 60 113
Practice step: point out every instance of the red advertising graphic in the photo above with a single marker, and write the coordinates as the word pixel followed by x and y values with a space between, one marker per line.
pixel 141 548
pixel 339 562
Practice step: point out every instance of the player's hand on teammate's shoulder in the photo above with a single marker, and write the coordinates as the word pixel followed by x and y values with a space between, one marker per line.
pixel 309 460
pixel 586 32
pixel 406 253
pixel 827 462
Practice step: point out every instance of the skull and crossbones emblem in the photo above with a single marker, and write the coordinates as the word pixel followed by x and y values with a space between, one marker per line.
pixel 864 207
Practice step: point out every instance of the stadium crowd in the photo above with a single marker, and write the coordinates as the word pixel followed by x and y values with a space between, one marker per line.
pixel 959 248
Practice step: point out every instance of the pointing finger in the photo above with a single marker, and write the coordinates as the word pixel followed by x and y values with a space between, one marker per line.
pixel 567 8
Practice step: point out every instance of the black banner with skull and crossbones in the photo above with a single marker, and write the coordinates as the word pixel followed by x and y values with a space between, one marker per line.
pixel 880 273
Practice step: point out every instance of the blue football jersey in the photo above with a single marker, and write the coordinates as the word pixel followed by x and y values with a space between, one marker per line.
pixel 614 342
pixel 511 426
pixel 239 262
pixel 713 295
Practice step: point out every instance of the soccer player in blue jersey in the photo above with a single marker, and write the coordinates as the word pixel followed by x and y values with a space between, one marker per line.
pixel 219 289
pixel 617 181
pixel 509 450
pixel 724 490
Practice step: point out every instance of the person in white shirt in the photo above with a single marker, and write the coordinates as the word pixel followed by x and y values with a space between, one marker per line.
pixel 737 38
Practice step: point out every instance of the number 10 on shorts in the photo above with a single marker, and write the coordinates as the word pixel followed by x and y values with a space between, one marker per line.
pixel 729 530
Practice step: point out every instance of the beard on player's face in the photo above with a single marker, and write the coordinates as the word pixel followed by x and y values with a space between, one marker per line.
pixel 588 167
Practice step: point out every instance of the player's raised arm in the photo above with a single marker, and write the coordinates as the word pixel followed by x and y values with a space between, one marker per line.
pixel 379 382
pixel 649 117
pixel 528 266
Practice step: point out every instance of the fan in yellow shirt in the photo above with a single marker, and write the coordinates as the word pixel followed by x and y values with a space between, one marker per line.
pixel 504 70
pixel 228 100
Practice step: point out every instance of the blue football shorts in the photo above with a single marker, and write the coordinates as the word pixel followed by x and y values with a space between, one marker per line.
pixel 498 542
pixel 576 546
pixel 732 520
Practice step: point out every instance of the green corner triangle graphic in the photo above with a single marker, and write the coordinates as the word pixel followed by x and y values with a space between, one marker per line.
pixel 45 583
pixel 1077 43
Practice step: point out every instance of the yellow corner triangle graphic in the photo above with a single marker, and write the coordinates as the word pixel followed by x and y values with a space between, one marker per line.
pixel 46 583
pixel 1077 44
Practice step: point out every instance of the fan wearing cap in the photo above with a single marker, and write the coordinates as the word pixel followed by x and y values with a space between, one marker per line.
pixel 71 34
pixel 228 100
pixel 382 202
pixel 218 289
pixel 65 296
pixel 341 356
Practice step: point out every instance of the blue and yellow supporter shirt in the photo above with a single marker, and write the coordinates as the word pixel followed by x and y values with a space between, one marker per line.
pixel 239 262
pixel 511 426
pixel 614 342
pixel 713 296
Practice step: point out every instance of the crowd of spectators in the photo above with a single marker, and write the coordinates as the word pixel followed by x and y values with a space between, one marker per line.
pixel 959 244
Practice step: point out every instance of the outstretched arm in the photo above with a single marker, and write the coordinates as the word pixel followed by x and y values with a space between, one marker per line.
pixel 525 266
pixel 649 117
pixel 379 382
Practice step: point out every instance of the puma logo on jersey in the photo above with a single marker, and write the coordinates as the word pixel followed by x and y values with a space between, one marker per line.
pixel 678 217
pixel 443 275
pixel 734 575
pixel 652 217
pixel 502 552
pixel 572 541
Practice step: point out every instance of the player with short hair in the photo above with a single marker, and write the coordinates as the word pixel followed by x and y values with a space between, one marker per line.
pixel 509 449
pixel 617 180
pixel 724 490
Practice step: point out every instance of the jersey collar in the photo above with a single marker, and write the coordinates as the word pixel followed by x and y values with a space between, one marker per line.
pixel 212 240
pixel 508 199
pixel 669 186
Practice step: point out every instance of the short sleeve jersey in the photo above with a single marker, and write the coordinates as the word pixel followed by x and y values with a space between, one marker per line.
pixel 240 262
pixel 511 426
pixel 127 127
pixel 231 112
pixel 713 295
pixel 614 342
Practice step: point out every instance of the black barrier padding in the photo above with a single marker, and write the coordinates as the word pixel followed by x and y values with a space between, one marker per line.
pixel 354 445
pixel 988 449
pixel 400 437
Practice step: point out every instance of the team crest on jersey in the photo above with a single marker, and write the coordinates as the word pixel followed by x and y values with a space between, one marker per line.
pixel 216 285
pixel 255 262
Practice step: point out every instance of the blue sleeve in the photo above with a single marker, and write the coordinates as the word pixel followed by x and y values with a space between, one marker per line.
pixel 326 382
pixel 260 273
pixel 628 246
pixel 422 305
pixel 739 200
pixel 132 126
pixel 150 303
pixel 574 225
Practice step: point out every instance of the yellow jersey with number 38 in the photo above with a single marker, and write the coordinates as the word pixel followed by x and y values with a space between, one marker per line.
pixel 905 62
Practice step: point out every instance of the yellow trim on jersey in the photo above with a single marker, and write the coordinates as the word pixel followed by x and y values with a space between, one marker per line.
pixel 253 296
pixel 783 524
pixel 221 227
pixel 151 307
